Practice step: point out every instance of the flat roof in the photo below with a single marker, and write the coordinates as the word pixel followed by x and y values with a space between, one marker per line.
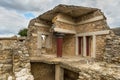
pixel 73 11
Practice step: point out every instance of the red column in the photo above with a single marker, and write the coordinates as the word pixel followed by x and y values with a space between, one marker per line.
pixel 59 44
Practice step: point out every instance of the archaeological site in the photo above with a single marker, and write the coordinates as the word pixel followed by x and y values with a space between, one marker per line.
pixel 65 43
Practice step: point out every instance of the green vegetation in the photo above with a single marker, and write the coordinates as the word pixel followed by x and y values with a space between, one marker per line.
pixel 23 32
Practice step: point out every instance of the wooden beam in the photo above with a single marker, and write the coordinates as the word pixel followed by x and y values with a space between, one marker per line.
pixel 64 31
pixel 94 33
pixel 91 20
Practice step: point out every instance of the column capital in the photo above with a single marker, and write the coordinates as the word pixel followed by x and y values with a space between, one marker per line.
pixel 59 35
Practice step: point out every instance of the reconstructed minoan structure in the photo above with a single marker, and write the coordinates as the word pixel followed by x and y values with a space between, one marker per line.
pixel 68 31
pixel 65 43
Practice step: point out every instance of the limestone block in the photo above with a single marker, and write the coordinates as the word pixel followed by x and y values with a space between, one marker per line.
pixel 7 61
pixel 22 72
pixel 10 78
pixel 26 77
pixel 3 77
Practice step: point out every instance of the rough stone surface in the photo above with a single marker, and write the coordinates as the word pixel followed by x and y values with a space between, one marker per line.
pixel 21 62
pixel 5 63
pixel 15 62
pixel 42 71
pixel 112 50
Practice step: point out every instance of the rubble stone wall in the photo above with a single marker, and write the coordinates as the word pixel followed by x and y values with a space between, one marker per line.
pixel 5 64
pixel 32 39
pixel 15 63
pixel 100 46
pixel 21 62
pixel 6 43
pixel 112 50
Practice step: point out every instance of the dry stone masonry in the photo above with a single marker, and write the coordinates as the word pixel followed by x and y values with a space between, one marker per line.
pixel 21 62
pixel 112 51
pixel 15 63
pixel 5 64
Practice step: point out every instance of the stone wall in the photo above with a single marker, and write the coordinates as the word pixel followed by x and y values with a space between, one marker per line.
pixel 91 27
pixel 43 71
pixel 15 62
pixel 32 39
pixel 69 45
pixel 21 62
pixel 63 25
pixel 6 64
pixel 6 43
pixel 112 50
pixel 100 46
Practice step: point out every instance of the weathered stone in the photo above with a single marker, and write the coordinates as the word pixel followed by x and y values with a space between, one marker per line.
pixel 10 78
pixel 112 52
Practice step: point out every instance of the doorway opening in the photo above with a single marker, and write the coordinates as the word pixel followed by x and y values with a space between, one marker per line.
pixel 88 45
pixel 80 45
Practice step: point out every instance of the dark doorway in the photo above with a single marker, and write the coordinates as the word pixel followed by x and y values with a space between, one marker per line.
pixel 70 75
pixel 80 45
pixel 88 45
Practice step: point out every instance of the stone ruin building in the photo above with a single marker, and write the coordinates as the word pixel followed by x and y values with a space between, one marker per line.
pixel 65 43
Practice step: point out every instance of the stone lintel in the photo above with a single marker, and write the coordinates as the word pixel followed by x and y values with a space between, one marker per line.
pixel 66 31
pixel 41 24
pixel 91 20
pixel 94 33
pixel 64 18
